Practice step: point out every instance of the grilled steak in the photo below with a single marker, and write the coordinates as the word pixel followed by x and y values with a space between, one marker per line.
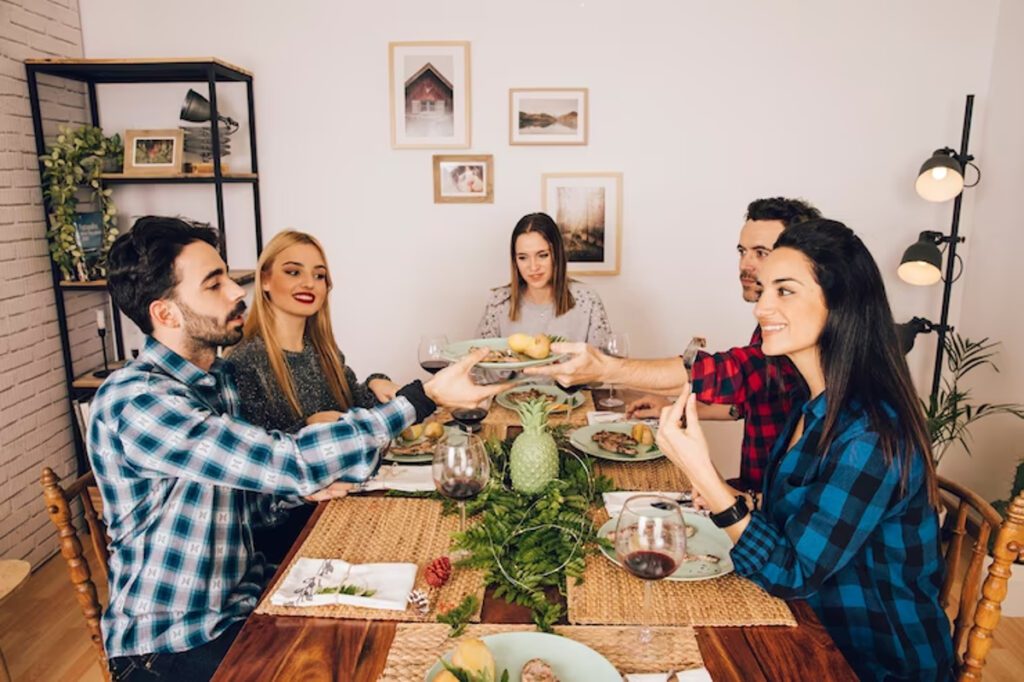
pixel 530 394
pixel 615 441
pixel 537 670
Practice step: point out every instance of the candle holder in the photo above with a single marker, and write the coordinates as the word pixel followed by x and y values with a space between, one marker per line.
pixel 105 372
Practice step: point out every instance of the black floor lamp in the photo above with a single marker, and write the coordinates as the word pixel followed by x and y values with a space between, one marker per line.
pixel 941 178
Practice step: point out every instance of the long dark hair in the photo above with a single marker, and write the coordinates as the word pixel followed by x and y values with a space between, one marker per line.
pixel 545 226
pixel 860 354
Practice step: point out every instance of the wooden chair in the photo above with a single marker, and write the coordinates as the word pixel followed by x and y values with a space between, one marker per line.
pixel 974 620
pixel 58 506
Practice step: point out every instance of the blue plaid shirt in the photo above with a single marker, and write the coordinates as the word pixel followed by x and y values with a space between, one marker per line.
pixel 836 532
pixel 183 479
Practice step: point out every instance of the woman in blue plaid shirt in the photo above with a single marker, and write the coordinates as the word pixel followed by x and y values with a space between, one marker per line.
pixel 849 519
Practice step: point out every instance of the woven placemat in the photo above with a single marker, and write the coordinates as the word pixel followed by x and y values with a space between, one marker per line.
pixel 384 529
pixel 416 647
pixel 657 474
pixel 611 596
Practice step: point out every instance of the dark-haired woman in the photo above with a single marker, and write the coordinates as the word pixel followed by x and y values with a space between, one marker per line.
pixel 849 517
pixel 541 299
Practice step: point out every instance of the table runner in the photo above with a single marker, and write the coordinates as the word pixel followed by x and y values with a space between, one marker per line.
pixel 417 647
pixel 385 529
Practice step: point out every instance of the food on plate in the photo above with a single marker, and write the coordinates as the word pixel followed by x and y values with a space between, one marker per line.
pixel 520 342
pixel 690 532
pixel 537 670
pixel 433 430
pixel 529 394
pixel 709 558
pixel 495 355
pixel 539 348
pixel 642 434
pixel 414 432
pixel 616 441
pixel 473 656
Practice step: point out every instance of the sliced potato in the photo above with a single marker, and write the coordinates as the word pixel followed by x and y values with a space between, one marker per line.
pixel 642 434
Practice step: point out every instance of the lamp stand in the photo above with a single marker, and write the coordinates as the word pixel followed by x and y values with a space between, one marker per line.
pixel 942 327
pixel 105 372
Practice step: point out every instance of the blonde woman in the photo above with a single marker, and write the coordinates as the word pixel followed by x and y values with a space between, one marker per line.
pixel 288 367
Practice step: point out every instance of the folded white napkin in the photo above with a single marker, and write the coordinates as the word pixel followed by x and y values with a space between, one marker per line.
pixel 613 501
pixel 692 675
pixel 409 479
pixel 600 417
pixel 320 582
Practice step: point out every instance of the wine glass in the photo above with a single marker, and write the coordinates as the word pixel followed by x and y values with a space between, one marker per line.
pixel 617 346
pixel 650 541
pixel 431 352
pixel 461 469
pixel 469 419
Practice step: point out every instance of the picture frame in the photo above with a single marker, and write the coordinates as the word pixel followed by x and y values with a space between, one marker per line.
pixel 429 94
pixel 89 233
pixel 548 116
pixel 153 153
pixel 463 179
pixel 588 210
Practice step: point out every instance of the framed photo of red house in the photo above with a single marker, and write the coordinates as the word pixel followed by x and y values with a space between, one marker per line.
pixel 429 95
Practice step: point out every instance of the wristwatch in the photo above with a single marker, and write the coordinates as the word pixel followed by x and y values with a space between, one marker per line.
pixel 734 514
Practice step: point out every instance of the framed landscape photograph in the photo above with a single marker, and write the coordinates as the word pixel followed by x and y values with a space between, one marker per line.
pixel 588 210
pixel 153 152
pixel 548 116
pixel 464 179
pixel 429 95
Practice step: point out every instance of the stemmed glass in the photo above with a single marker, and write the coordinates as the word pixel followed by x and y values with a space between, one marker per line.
pixel 617 346
pixel 650 541
pixel 431 352
pixel 461 469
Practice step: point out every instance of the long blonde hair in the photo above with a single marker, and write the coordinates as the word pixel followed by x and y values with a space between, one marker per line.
pixel 260 321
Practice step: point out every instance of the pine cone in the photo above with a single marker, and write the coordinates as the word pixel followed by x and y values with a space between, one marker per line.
pixel 438 571
pixel 420 600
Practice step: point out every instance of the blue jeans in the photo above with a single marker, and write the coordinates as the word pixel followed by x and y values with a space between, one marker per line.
pixel 194 665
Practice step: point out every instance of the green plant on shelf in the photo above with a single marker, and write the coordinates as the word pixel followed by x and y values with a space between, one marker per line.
pixel 73 163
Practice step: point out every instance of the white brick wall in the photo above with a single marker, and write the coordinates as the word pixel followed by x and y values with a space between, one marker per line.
pixel 35 427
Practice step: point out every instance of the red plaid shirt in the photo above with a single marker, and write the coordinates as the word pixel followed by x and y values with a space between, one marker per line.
pixel 763 389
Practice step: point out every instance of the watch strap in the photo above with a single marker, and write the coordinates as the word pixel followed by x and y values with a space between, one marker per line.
pixel 731 515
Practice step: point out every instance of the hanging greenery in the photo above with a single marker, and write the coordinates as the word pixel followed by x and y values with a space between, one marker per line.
pixel 527 544
pixel 75 161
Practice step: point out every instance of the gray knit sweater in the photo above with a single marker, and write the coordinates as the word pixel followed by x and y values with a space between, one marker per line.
pixel 264 404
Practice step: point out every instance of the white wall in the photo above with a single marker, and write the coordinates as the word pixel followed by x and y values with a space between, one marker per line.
pixel 702 106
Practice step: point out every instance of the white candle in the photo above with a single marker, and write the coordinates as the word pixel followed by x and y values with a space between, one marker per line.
pixel 101 321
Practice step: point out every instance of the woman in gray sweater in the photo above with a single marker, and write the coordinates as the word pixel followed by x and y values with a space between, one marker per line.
pixel 288 368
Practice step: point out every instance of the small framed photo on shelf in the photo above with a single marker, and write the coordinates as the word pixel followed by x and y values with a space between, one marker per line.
pixel 463 179
pixel 429 95
pixel 153 152
pixel 588 210
pixel 548 116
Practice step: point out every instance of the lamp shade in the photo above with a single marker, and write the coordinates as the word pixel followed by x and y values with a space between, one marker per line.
pixel 196 108
pixel 921 263
pixel 941 177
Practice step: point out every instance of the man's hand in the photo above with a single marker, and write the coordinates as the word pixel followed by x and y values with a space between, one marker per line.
pixel 453 386
pixel 384 390
pixel 323 417
pixel 647 407
pixel 334 491
pixel 586 365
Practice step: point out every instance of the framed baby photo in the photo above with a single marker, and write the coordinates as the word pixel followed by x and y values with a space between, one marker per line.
pixel 588 210
pixel 548 116
pixel 463 179
pixel 429 95
pixel 153 152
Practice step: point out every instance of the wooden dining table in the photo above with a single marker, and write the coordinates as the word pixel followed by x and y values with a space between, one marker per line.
pixel 271 647
pixel 343 650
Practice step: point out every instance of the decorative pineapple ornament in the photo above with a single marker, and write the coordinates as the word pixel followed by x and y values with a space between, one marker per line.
pixel 533 460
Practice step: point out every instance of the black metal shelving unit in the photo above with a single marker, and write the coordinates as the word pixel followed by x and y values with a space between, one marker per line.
pixel 93 72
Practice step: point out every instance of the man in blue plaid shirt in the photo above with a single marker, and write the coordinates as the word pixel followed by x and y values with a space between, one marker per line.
pixel 184 479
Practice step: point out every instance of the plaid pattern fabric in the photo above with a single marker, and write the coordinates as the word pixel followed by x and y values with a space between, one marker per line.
pixel 183 479
pixel 765 391
pixel 835 531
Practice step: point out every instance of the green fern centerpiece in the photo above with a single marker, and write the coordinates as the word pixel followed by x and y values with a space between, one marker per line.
pixel 534 456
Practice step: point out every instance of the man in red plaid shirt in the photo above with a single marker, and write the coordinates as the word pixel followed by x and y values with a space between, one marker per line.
pixel 740 383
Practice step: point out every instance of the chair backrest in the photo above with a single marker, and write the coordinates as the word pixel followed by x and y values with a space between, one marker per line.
pixel 1009 547
pixel 58 506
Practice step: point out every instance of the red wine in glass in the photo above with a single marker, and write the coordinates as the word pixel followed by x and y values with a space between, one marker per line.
pixel 434 366
pixel 650 565
pixel 461 488
pixel 470 418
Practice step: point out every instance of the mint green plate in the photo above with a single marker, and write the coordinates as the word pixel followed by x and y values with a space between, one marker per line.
pixel 582 439
pixel 458 350
pixel 570 660
pixel 422 458
pixel 709 539
pixel 561 397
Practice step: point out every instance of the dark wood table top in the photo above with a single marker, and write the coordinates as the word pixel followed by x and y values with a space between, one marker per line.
pixel 332 649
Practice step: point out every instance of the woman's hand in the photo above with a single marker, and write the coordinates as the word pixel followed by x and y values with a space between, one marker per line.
pixel 323 417
pixel 384 390
pixel 647 407
pixel 685 446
